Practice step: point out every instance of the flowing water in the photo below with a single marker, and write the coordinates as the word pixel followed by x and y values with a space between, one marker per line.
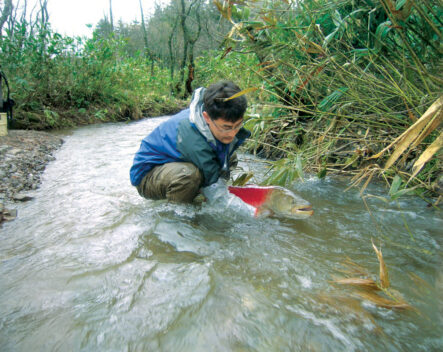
pixel 89 265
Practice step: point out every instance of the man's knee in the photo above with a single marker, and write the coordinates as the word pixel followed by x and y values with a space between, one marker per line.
pixel 178 181
pixel 185 183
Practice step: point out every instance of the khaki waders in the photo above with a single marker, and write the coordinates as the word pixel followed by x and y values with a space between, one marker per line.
pixel 178 181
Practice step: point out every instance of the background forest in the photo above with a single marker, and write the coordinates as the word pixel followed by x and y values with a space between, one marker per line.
pixel 345 86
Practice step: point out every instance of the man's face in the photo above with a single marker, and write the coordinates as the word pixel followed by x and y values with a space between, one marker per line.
pixel 223 130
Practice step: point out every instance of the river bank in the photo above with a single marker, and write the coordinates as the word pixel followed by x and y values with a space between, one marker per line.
pixel 24 155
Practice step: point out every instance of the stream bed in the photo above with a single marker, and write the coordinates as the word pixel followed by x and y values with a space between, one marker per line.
pixel 89 265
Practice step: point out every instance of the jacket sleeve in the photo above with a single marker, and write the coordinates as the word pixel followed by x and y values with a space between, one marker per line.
pixel 195 149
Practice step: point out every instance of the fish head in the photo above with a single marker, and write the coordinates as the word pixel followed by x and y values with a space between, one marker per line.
pixel 284 203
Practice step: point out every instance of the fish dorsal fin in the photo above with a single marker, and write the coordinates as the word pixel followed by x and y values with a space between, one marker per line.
pixel 252 195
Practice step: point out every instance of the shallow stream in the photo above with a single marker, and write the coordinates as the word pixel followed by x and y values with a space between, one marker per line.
pixel 89 265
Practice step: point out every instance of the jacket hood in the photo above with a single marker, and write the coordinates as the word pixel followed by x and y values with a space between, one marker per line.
pixel 196 115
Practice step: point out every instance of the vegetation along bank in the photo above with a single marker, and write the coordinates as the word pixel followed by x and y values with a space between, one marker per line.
pixel 349 87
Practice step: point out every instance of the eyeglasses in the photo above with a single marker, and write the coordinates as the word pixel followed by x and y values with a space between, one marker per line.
pixel 228 129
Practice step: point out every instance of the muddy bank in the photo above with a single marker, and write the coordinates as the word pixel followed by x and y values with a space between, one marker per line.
pixel 24 156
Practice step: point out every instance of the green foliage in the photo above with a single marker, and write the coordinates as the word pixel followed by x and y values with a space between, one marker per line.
pixel 60 81
pixel 118 74
pixel 214 66
pixel 285 171
pixel 340 79
pixel 395 190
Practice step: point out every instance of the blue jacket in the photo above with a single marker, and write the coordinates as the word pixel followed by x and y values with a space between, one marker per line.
pixel 186 137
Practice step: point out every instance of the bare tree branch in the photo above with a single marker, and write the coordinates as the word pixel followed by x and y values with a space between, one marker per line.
pixel 110 15
pixel 6 13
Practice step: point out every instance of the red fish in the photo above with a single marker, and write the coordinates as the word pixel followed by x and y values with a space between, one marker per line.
pixel 273 200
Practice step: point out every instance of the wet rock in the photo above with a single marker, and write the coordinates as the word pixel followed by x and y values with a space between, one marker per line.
pixel 21 197
pixel 24 156
pixel 7 214
pixel 15 151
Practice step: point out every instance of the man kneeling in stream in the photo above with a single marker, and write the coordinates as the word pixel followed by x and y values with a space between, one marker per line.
pixel 192 149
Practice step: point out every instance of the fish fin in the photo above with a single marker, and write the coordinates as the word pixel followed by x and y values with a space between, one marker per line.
pixel 262 212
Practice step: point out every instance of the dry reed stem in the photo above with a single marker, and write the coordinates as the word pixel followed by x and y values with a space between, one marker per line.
pixel 359 282
pixel 427 155
pixel 383 302
pixel 427 123
pixel 366 288
pixel 384 277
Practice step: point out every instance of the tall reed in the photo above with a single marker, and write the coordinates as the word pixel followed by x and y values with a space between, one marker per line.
pixel 341 81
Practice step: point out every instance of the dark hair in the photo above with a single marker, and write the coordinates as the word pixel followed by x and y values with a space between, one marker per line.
pixel 215 105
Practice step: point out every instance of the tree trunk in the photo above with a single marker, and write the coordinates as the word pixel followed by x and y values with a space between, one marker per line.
pixel 110 16
pixel 191 65
pixel 182 17
pixel 171 53
pixel 44 18
pixel 148 53
pixel 44 13
pixel 188 47
pixel 6 13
